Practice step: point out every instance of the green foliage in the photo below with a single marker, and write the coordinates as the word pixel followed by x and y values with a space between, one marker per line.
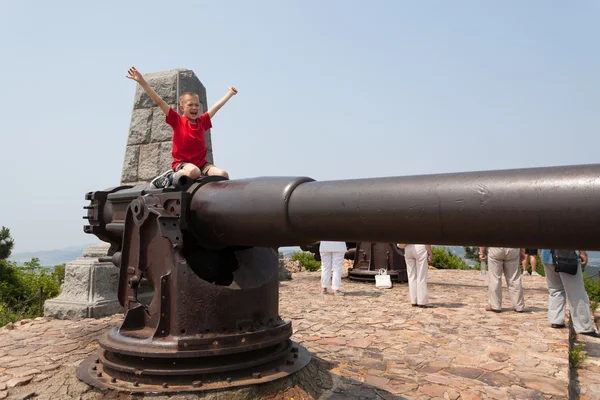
pixel 592 287
pixel 20 289
pixel 472 253
pixel 594 306
pixel 6 243
pixel 307 260
pixel 577 357
pixel 444 259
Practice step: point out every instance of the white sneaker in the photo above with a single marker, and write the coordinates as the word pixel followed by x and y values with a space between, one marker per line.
pixel 534 273
pixel 162 180
pixel 525 273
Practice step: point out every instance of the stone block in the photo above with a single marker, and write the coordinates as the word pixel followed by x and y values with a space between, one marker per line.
pixel 165 158
pixel 149 161
pixel 164 84
pixel 161 131
pixel 189 82
pixel 89 289
pixel 130 164
pixel 139 129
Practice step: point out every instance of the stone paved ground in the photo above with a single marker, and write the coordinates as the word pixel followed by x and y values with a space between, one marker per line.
pixel 369 344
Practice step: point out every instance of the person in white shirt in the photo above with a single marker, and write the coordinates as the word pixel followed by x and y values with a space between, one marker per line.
pixel 332 258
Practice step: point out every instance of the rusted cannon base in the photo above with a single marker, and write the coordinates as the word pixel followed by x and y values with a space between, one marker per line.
pixel 95 372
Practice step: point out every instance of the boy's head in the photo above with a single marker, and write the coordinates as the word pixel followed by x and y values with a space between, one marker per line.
pixel 189 104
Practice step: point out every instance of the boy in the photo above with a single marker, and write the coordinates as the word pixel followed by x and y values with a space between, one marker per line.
pixel 189 140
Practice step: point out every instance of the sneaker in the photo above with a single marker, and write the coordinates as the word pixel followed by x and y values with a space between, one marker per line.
pixel 525 273
pixel 534 273
pixel 163 180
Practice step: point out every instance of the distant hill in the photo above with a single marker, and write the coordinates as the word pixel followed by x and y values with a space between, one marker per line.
pixel 50 258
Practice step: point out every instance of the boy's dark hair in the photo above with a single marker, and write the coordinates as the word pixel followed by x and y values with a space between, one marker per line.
pixel 188 94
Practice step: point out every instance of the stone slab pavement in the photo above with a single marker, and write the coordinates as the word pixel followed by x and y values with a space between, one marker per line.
pixel 369 344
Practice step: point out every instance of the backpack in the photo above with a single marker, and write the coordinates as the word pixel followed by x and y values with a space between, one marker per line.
pixel 565 261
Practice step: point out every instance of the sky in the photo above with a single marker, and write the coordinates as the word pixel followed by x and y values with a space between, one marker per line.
pixel 335 89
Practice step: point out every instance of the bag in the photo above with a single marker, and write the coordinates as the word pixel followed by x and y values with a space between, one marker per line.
pixel 383 280
pixel 565 261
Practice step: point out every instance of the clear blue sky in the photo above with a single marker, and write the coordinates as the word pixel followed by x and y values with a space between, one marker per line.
pixel 330 89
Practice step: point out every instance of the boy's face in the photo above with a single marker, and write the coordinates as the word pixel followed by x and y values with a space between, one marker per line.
pixel 190 105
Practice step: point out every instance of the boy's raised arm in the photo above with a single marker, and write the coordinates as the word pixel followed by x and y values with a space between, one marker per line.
pixel 213 110
pixel 136 76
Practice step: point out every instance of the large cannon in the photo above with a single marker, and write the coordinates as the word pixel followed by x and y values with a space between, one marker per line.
pixel 206 249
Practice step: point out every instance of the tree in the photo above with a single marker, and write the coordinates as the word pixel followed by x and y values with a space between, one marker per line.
pixel 472 253
pixel 6 243
pixel 444 259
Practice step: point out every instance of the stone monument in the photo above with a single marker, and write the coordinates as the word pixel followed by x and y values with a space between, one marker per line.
pixel 90 287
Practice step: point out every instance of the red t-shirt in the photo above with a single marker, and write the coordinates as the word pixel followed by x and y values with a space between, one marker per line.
pixel 189 140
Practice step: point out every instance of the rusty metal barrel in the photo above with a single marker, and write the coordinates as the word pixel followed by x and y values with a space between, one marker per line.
pixel 551 207
pixel 206 250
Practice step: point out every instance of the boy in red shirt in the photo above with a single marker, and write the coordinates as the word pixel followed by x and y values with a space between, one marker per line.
pixel 189 140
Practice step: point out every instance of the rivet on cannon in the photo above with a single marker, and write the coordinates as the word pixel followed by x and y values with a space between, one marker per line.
pixel 165 385
pixel 256 375
pixel 94 368
pixel 228 380
pixel 136 383
pixel 99 374
pixel 289 362
pixel 196 384
pixel 294 349
pixel 296 355
pixel 113 380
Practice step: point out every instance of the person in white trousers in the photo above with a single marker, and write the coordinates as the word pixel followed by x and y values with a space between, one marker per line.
pixel 504 260
pixel 561 285
pixel 332 258
pixel 418 257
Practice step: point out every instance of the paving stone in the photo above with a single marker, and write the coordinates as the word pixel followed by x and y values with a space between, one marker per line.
pixel 18 381
pixel 361 343
pixel 544 384
pixel 433 390
pixel 373 351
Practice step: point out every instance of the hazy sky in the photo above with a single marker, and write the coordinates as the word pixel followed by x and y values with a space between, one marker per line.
pixel 330 89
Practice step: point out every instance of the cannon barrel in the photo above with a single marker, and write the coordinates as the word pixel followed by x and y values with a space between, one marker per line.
pixel 550 207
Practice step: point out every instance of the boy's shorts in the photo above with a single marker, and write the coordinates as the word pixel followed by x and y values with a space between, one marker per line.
pixel 203 170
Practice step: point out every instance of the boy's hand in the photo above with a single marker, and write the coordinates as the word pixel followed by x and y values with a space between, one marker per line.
pixel 232 90
pixel 135 75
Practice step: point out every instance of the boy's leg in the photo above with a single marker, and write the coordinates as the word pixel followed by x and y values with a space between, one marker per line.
pixel 187 169
pixel 209 169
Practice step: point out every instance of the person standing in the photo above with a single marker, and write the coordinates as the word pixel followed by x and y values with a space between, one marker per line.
pixel 332 258
pixel 504 260
pixel 563 287
pixel 418 257
pixel 530 255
